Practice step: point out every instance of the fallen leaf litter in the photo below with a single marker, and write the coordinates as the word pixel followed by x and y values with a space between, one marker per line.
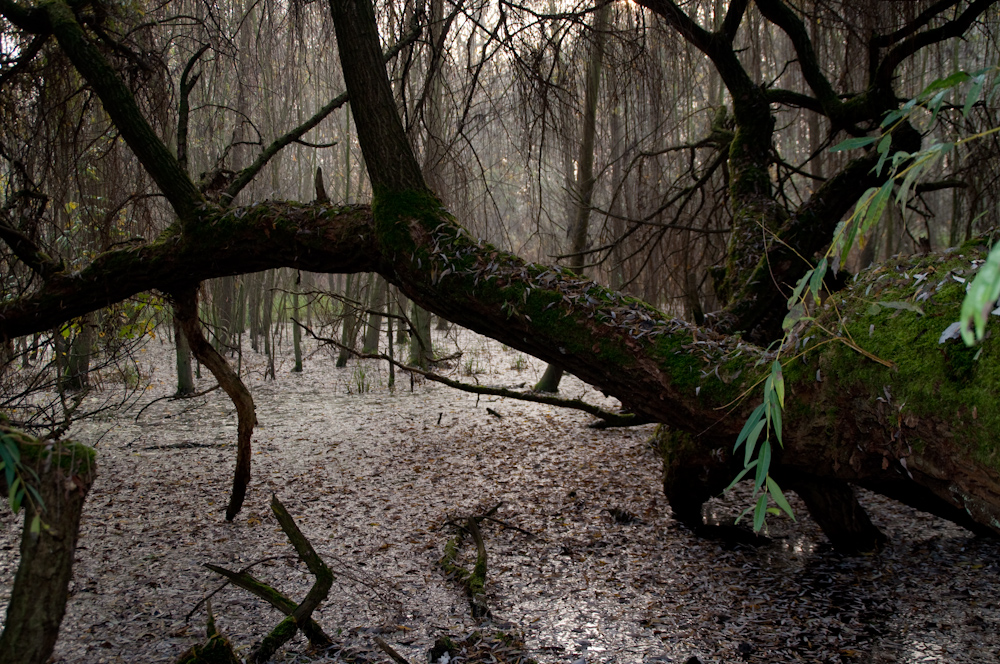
pixel 372 477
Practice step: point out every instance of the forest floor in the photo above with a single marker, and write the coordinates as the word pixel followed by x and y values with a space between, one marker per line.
pixel 373 477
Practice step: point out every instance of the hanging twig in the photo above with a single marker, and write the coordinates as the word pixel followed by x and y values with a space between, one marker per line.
pixel 176 397
pixel 608 419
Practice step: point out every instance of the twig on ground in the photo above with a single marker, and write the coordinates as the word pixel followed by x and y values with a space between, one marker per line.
pixel 286 629
pixel 388 650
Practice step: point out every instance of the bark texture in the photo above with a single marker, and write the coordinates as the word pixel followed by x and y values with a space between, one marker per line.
pixel 37 604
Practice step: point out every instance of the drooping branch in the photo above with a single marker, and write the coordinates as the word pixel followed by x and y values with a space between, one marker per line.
pixel 30 254
pixel 120 105
pixel 24 59
pixel 186 311
pixel 607 418
pixel 245 176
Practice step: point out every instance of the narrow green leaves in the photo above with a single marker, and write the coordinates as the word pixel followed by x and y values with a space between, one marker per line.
pixel 763 421
pixel 854 143
pixel 981 299
pixel 779 497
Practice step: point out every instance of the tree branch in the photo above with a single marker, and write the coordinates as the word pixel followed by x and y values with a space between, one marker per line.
pixel 243 579
pixel 184 109
pixel 956 28
pixel 245 176
pixel 24 248
pixel 781 15
pixel 608 419
pixel 314 238
pixel 734 16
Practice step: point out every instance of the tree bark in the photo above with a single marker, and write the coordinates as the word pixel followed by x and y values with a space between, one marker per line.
pixel 185 379
pixel 37 604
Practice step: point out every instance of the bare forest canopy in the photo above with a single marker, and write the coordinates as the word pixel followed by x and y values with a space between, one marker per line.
pixel 678 154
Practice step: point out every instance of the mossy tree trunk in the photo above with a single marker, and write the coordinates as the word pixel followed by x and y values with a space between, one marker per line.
pixel 37 604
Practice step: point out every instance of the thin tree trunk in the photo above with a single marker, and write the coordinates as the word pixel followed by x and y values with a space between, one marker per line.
pixel 580 225
pixel 185 379
pixel 80 352
pixel 349 328
pixel 296 330
pixel 421 352
pixel 374 330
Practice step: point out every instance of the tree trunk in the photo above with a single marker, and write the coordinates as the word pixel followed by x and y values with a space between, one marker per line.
pixel 296 330
pixel 185 379
pixel 374 330
pixel 41 585
pixel 585 180
pixel 81 350
pixel 421 351
pixel 349 326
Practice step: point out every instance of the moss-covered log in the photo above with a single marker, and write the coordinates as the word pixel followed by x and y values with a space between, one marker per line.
pixel 63 474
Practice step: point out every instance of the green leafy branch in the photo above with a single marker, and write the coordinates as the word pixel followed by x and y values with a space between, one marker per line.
pixel 766 420
pixel 904 170
pixel 18 489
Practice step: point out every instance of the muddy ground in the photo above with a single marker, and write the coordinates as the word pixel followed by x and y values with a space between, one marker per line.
pixel 595 571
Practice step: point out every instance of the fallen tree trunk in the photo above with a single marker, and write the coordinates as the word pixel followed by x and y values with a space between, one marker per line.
pixel 855 420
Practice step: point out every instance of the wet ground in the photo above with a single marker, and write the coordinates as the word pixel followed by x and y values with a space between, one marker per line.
pixel 592 567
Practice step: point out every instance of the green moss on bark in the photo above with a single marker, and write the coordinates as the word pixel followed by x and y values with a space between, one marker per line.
pixel 945 381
